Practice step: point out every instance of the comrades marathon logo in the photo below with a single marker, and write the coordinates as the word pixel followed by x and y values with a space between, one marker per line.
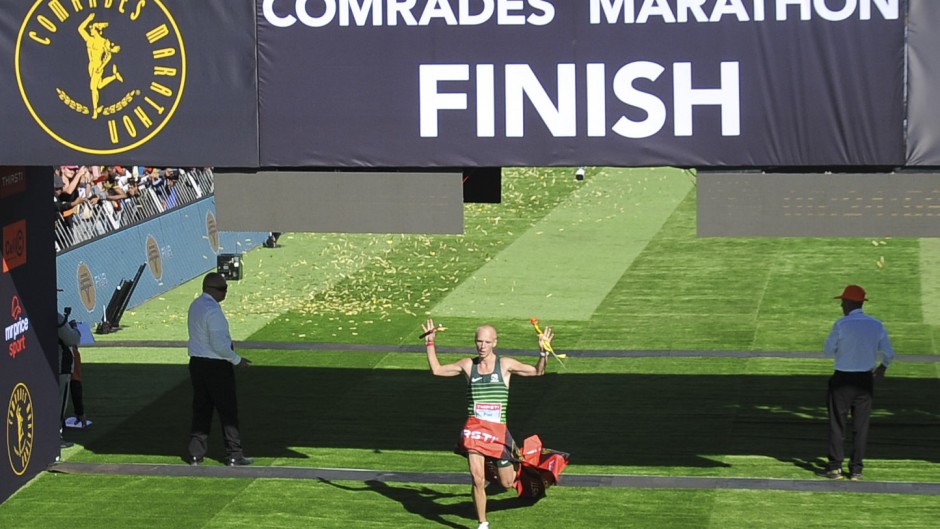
pixel 20 429
pixel 100 76
pixel 212 231
pixel 86 286
pixel 154 258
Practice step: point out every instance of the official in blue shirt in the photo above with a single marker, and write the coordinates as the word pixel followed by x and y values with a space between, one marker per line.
pixel 855 342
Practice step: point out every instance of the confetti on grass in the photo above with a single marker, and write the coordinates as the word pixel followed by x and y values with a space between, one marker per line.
pixel 386 275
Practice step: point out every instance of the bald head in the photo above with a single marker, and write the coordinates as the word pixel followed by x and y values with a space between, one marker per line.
pixel 485 340
pixel 215 285
pixel 486 330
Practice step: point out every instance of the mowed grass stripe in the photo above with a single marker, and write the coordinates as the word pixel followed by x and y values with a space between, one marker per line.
pixel 565 265
pixel 689 293
pixel 930 280
pixel 160 503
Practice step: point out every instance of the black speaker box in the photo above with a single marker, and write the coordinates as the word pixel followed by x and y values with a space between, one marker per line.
pixel 230 266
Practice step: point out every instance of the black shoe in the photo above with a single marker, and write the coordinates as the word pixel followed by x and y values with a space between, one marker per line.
pixel 239 461
pixel 195 461
pixel 831 474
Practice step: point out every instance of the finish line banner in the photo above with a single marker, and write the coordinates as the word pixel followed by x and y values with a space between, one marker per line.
pixel 458 83
pixel 550 82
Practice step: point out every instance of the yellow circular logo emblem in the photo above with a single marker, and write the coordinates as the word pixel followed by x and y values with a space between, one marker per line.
pixel 154 259
pixel 20 429
pixel 212 231
pixel 103 78
pixel 86 286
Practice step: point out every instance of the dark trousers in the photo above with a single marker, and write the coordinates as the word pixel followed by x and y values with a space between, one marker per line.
pixel 213 390
pixel 849 392
pixel 63 399
pixel 78 397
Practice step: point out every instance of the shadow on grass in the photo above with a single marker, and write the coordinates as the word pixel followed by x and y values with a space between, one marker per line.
pixel 601 419
pixel 423 501
pixel 433 505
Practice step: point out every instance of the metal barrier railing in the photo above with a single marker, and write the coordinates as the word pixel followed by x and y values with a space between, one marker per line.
pixel 89 222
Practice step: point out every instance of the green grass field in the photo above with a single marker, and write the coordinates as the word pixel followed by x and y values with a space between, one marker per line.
pixel 611 263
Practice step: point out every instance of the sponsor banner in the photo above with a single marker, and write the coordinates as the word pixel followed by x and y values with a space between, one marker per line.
pixel 29 392
pixel 14 334
pixel 606 82
pixel 923 124
pixel 492 439
pixel 457 83
pixel 128 82
pixel 12 181
pixel 818 205
pixel 176 247
pixel 14 245
pixel 384 202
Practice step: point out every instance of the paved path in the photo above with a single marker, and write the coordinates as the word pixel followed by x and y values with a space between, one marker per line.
pixel 585 353
pixel 447 478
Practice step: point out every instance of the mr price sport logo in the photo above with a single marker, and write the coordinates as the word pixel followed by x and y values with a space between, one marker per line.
pixel 20 427
pixel 15 334
pixel 100 76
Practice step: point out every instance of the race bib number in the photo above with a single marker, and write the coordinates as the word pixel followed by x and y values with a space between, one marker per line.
pixel 488 411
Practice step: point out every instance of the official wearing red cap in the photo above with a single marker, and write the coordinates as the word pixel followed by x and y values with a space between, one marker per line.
pixel 853 293
pixel 855 342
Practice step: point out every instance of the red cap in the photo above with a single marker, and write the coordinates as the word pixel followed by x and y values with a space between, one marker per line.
pixel 853 293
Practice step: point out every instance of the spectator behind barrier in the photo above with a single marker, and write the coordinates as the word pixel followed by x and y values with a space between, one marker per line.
pixel 66 199
pixel 89 206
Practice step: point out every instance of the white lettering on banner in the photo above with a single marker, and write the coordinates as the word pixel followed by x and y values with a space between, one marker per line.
pixel 15 336
pixel 727 97
pixel 360 12
pixel 12 332
pixel 320 13
pixel 480 436
pixel 624 90
pixel 646 11
pixel 432 101
pixel 486 101
pixel 522 82
pixel 561 118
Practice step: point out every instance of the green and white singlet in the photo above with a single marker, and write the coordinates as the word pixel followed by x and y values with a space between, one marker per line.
pixel 487 395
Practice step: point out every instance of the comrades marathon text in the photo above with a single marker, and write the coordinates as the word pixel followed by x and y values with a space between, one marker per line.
pixel 321 13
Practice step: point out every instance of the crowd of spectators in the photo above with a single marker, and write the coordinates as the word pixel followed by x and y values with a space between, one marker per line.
pixel 91 201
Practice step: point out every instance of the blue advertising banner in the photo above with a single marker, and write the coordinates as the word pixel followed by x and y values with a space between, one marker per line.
pixel 175 247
